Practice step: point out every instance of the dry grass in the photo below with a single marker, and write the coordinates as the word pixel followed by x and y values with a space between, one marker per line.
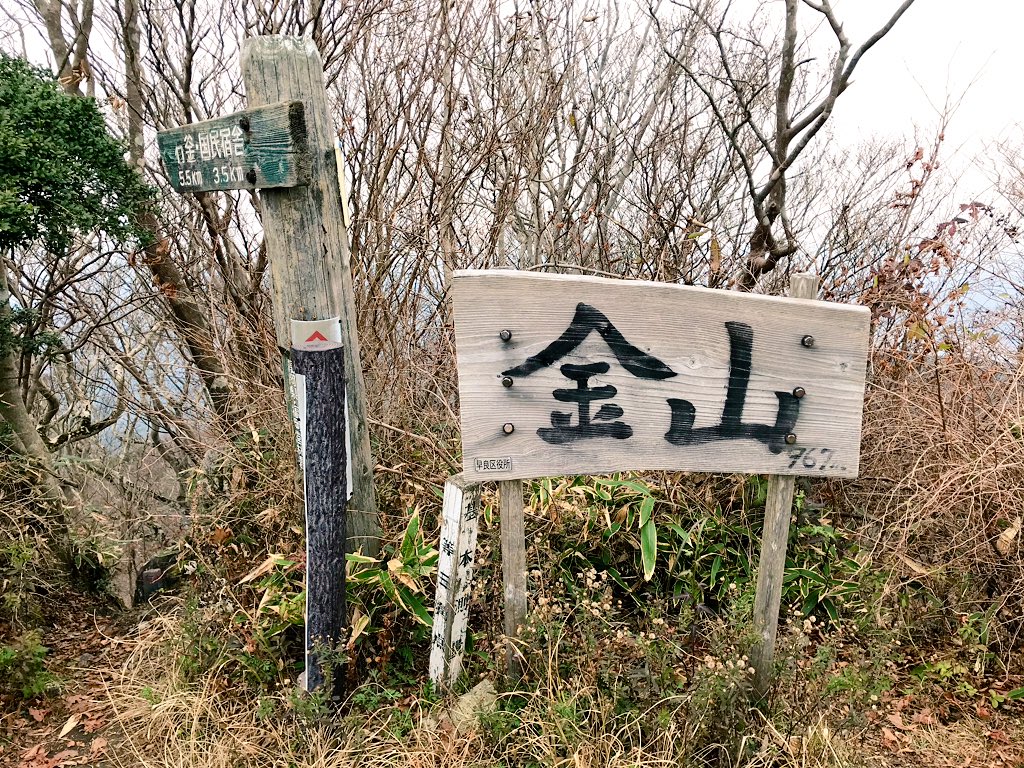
pixel 173 717
pixel 167 723
pixel 943 482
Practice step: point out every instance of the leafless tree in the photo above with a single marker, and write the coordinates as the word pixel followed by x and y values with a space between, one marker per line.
pixel 669 142
pixel 761 86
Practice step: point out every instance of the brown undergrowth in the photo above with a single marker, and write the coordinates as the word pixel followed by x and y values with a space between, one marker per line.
pixel 942 489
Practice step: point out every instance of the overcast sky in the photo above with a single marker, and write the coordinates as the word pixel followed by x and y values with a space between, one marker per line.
pixel 970 52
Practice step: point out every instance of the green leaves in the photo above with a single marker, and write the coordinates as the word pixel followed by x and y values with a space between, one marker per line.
pixel 399 579
pixel 61 173
pixel 705 556
pixel 626 506
pixel 648 537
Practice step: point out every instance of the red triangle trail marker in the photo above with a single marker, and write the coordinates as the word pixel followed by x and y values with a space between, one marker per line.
pixel 317 336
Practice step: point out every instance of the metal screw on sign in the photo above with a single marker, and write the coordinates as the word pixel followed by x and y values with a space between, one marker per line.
pixel 799 392
pixel 505 334
pixel 506 381
pixel 250 175
pixel 807 341
pixel 243 123
pixel 508 428
pixel 790 439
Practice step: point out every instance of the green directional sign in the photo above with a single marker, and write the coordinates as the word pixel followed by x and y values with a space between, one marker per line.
pixel 263 147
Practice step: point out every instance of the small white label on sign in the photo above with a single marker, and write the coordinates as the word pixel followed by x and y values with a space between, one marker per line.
pixel 494 465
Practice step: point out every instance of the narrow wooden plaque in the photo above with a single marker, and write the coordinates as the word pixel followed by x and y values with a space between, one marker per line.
pixel 583 375
pixel 457 551
pixel 262 147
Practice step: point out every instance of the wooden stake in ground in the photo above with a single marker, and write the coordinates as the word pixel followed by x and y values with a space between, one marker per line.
pixel 772 564
pixel 307 245
pixel 513 568
pixel 459 524
pixel 322 364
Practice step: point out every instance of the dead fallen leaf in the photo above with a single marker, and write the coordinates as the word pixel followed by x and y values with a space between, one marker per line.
pixel 262 569
pixel 1004 542
pixel 924 717
pixel 38 714
pixel 63 757
pixel 73 721
pixel 220 535
pixel 79 702
pixel 897 719
pixel 33 752
pixel 890 739
pixel 99 745
pixel 999 736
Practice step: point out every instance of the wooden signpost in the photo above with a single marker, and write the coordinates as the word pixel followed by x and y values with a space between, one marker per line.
pixel 283 145
pixel 581 375
pixel 307 243
pixel 264 147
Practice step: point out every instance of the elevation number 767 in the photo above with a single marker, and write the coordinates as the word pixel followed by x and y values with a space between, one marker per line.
pixel 813 458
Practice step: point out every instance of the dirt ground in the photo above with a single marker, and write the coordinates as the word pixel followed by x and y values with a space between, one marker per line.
pixel 75 726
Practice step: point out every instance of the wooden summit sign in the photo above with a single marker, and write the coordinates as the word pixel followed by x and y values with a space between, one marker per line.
pixel 263 147
pixel 582 375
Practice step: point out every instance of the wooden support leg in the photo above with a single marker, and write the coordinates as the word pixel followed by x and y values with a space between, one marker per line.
pixel 513 567
pixel 770 571
pixel 772 565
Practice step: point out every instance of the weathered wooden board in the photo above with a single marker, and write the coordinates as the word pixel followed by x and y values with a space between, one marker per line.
pixel 562 374
pixel 457 551
pixel 262 147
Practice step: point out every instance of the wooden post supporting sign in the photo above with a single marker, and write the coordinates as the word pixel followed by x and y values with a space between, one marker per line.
pixel 774 538
pixel 307 244
pixel 283 144
pixel 513 569
pixel 323 366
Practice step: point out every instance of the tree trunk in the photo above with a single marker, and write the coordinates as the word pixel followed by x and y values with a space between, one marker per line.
pixel 188 318
pixel 39 468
